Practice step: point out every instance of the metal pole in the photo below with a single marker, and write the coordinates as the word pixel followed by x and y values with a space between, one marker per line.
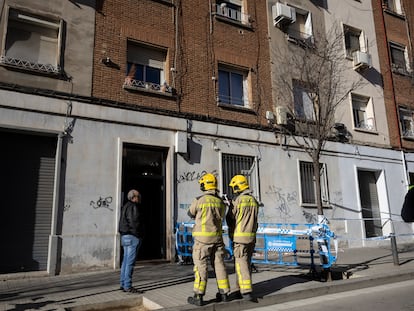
pixel 394 250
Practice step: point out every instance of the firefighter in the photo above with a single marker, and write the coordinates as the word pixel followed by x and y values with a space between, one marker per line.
pixel 242 222
pixel 208 211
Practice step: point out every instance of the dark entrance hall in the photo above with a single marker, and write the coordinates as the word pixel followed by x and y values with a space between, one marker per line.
pixel 143 168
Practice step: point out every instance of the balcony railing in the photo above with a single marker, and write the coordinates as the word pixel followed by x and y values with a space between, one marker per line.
pixel 408 134
pixel 230 13
pixel 231 100
pixel 301 38
pixel 24 64
pixel 149 86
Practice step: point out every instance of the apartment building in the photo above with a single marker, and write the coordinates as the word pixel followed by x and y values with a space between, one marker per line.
pixel 152 94
pixel 45 69
pixel 393 21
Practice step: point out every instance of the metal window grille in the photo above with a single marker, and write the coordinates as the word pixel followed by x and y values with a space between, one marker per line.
pixel 308 186
pixel 238 164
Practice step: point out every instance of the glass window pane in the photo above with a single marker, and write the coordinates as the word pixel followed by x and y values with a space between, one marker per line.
pixel 224 86
pixel 397 57
pixel 236 89
pixel 135 71
pixel 32 43
pixel 152 75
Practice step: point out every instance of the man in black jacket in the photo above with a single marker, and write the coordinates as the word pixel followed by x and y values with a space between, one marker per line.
pixel 407 211
pixel 130 228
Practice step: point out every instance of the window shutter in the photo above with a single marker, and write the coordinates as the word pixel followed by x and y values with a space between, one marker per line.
pixel 146 56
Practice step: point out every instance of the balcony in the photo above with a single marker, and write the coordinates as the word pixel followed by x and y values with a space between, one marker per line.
pixel 224 11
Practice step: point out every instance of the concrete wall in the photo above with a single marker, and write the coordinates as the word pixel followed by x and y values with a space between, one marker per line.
pixel 92 171
pixel 78 39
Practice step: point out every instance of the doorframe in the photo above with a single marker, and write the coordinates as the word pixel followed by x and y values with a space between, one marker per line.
pixel 383 201
pixel 169 199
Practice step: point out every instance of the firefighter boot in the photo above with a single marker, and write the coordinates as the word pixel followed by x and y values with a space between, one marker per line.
pixel 196 300
pixel 222 297
pixel 248 297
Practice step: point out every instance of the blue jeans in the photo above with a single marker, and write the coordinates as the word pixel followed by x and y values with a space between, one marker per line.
pixel 131 244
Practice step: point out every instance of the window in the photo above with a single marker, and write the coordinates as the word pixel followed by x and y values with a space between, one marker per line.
pixel 301 29
pixel 232 86
pixel 399 58
pixel 32 43
pixel 362 110
pixel 407 123
pixel 394 6
pixel 232 9
pixel 354 41
pixel 238 164
pixel 145 68
pixel 308 186
pixel 303 101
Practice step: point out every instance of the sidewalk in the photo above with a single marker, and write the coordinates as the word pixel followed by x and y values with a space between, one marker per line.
pixel 167 286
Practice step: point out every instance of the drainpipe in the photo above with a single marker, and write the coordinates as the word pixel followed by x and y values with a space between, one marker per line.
pixel 405 170
pixel 54 240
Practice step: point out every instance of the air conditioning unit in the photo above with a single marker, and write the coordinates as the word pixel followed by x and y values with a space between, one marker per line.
pixel 281 115
pixel 362 60
pixel 283 14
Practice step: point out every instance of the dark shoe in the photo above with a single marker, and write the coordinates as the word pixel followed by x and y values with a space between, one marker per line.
pixel 222 297
pixel 196 300
pixel 238 295
pixel 248 297
pixel 121 288
pixel 133 290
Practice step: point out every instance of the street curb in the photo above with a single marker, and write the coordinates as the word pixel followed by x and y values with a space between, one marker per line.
pixel 295 294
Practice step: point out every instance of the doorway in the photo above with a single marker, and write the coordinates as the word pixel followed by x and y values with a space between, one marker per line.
pixel 27 166
pixel 143 169
pixel 370 203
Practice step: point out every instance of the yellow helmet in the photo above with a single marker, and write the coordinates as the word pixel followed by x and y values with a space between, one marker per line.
pixel 239 183
pixel 208 182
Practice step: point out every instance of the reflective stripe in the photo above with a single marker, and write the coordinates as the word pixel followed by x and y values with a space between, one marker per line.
pixel 211 202
pixel 245 234
pixel 199 286
pixel 223 284
pixel 243 284
pixel 207 233
pixel 245 201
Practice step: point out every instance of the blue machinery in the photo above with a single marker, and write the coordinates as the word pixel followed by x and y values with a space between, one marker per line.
pixel 279 244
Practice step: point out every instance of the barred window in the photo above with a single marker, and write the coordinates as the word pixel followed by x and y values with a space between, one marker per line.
pixel 308 185
pixel 244 165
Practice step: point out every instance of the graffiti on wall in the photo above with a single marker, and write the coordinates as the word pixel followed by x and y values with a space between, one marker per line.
pixel 283 201
pixel 191 176
pixel 102 203
pixel 310 218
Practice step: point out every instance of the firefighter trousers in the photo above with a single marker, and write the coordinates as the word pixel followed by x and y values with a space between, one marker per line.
pixel 202 253
pixel 243 257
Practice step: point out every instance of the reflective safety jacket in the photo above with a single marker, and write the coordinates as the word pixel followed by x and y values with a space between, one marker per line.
pixel 242 218
pixel 208 211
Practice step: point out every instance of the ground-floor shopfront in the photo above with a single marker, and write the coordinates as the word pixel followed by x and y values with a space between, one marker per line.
pixel 66 173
